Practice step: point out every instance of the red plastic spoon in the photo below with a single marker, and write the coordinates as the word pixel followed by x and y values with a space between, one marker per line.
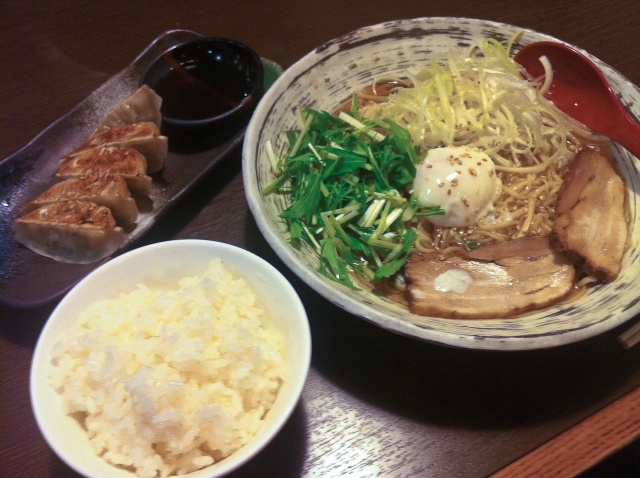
pixel 580 90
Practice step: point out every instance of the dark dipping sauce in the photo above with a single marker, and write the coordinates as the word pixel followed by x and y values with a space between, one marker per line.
pixel 205 80
pixel 201 90
pixel 209 89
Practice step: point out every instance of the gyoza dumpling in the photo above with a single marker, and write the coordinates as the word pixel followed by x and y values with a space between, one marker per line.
pixel 104 189
pixel 144 137
pixel 125 162
pixel 143 105
pixel 76 232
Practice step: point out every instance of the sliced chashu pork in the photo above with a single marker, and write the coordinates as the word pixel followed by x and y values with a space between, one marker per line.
pixel 143 105
pixel 144 137
pixel 125 162
pixel 495 281
pixel 77 232
pixel 104 189
pixel 592 225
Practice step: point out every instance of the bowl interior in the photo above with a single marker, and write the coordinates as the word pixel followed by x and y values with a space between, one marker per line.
pixel 164 264
pixel 328 76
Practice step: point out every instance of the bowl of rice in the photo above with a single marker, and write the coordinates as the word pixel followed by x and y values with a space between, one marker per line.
pixel 172 359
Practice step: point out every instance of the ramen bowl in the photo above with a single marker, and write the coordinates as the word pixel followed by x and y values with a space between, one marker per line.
pixel 326 78
pixel 160 267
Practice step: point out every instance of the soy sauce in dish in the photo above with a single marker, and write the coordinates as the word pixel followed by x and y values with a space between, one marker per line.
pixel 201 90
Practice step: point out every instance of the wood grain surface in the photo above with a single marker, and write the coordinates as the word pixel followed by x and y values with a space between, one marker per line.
pixel 375 403
pixel 583 445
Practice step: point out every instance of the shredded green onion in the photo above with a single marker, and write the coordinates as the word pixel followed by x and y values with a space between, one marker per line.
pixel 480 100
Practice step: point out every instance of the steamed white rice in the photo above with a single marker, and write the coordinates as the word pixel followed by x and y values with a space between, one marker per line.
pixel 168 382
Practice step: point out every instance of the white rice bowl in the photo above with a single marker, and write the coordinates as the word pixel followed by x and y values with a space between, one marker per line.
pixel 193 358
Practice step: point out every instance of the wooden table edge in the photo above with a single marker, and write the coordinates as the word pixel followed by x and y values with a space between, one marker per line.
pixel 583 445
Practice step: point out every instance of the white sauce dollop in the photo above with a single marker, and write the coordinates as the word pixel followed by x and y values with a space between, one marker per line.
pixel 454 280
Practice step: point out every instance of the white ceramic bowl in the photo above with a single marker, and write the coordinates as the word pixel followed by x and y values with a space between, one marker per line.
pixel 327 77
pixel 164 264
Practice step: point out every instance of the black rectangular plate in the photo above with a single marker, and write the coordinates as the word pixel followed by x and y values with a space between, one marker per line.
pixel 28 279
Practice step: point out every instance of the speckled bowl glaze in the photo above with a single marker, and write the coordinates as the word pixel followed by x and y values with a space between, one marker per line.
pixel 325 78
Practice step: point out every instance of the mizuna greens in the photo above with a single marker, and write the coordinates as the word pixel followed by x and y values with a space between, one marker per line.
pixel 347 180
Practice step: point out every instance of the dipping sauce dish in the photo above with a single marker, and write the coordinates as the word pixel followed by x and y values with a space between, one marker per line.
pixel 209 89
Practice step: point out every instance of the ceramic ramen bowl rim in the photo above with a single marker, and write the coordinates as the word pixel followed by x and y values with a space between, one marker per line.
pixel 366 308
pixel 72 446
pixel 252 100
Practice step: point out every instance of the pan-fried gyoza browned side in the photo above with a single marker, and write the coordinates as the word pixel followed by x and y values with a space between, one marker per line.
pixel 78 219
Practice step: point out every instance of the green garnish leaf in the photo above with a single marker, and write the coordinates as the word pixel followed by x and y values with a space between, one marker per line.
pixel 332 266
pixel 430 211
pixel 305 199
pixel 295 229
pixel 471 244
pixel 424 211
pixel 394 266
pixel 347 180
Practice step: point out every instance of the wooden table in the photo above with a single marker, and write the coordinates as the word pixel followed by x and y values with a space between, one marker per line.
pixel 375 404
